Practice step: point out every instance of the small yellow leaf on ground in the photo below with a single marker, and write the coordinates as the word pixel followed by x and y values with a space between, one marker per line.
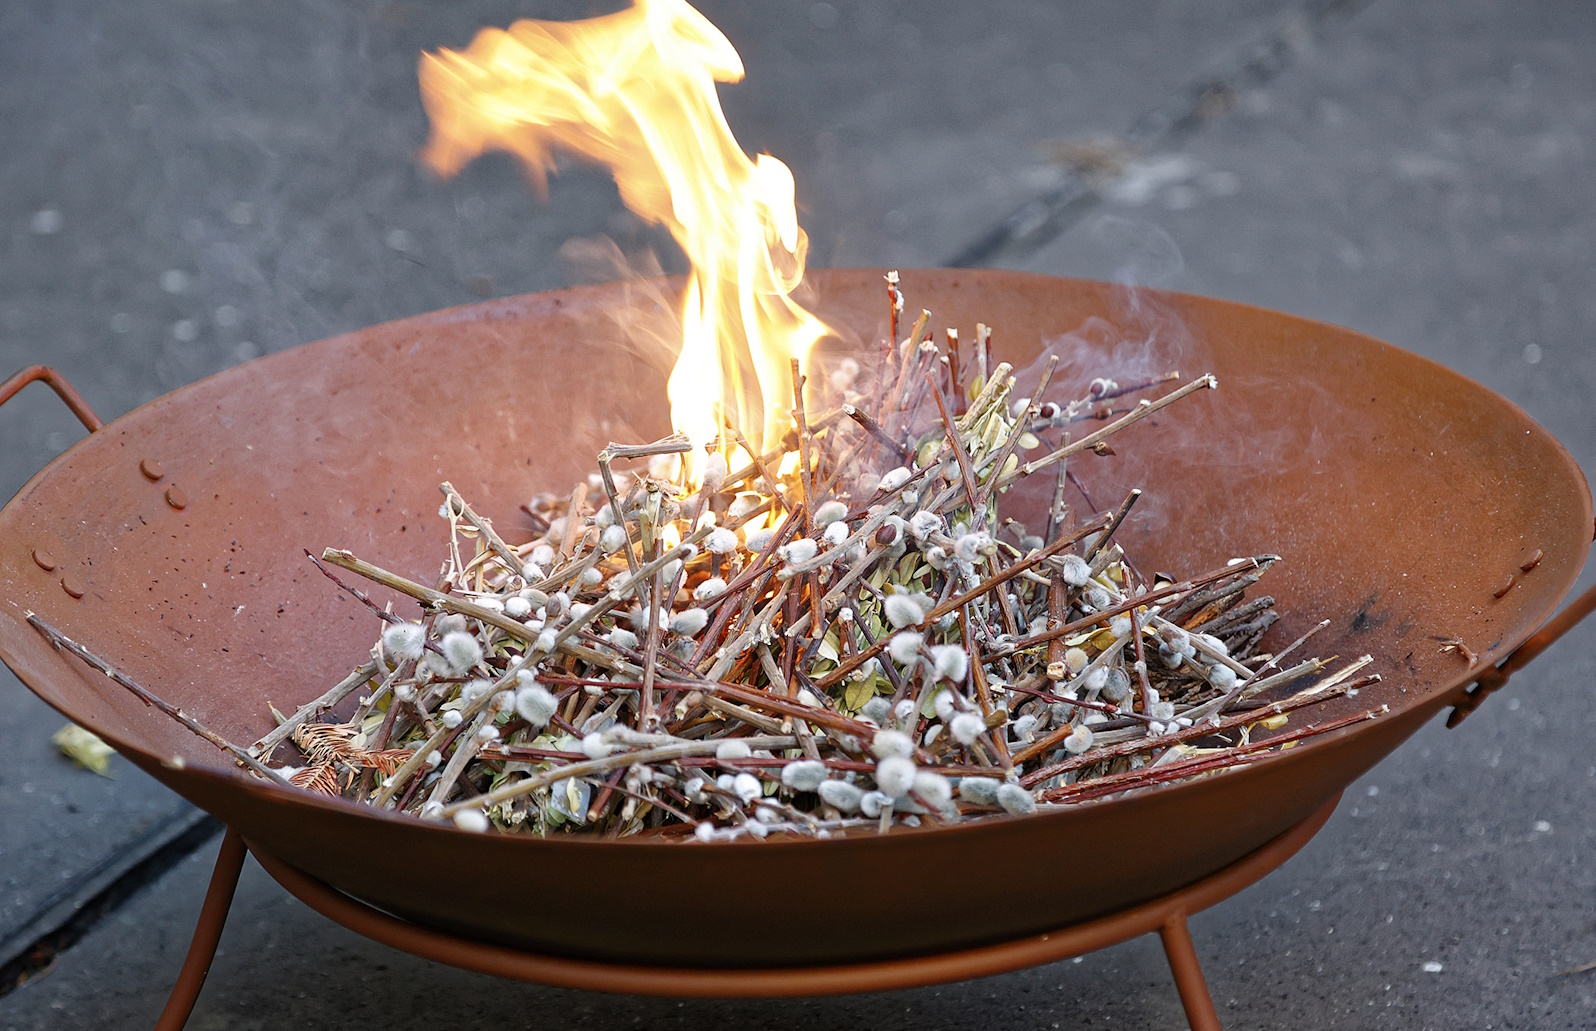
pixel 84 748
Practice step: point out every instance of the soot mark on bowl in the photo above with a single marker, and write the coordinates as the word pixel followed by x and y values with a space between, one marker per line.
pixel 1366 619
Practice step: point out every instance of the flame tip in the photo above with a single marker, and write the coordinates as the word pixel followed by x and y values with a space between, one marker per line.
pixel 635 91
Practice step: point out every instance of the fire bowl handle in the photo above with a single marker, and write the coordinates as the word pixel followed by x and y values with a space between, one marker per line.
pixel 1494 678
pixel 57 383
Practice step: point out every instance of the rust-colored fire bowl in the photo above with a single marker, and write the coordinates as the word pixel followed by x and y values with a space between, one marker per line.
pixel 171 542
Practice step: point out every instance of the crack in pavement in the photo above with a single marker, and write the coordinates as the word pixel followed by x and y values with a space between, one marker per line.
pixel 1048 215
pixel 77 907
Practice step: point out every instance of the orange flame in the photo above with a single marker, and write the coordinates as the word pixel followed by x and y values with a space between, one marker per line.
pixel 635 91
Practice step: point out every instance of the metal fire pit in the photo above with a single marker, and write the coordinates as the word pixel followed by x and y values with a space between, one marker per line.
pixel 170 542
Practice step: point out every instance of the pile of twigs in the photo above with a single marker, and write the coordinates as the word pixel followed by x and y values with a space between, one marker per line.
pixel 844 632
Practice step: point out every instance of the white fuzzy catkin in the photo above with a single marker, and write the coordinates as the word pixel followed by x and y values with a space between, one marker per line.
pixel 535 704
pixel 517 607
pixel 474 820
pixel 1096 679
pixel 966 727
pixel 902 611
pixel 891 743
pixel 892 479
pixel 451 719
pixel 596 746
pixel 1078 741
pixel 709 589
pixel 830 512
pixel 613 539
pixel 798 551
pixel 1120 625
pixel 971 546
pixel 839 794
pixel 461 650
pixel 923 524
pixel 804 775
pixel 950 662
pixel 1015 799
pixel 756 540
pixel 932 788
pixel 872 802
pixel 1075 570
pixel 895 775
pixel 689 621
pixel 721 541
pixel 621 637
pixel 905 645
pixel 943 705
pixel 876 710
pixel 1076 659
pixel 714 473
pixel 979 790
pixel 733 749
pixel 836 533
pixel 1116 685
pixel 404 640
pixel 1222 677
pixel 746 786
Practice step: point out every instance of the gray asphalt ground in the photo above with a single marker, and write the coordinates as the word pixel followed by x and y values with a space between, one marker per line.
pixel 184 186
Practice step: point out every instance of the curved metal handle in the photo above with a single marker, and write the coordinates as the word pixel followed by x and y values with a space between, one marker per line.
pixel 57 383
pixel 1495 677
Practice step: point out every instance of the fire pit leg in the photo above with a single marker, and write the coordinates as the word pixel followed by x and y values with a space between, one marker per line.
pixel 207 932
pixel 1188 973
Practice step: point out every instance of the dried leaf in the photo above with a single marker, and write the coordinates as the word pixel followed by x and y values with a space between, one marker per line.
pixel 321 778
pixel 333 744
pixel 325 742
